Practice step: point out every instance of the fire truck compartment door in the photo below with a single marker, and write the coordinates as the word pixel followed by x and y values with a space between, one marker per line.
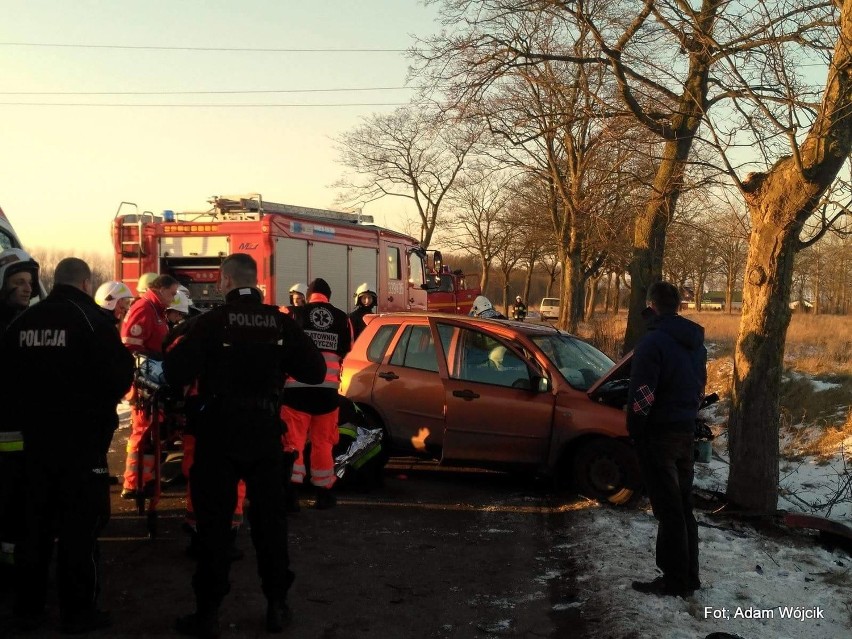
pixel 291 267
pixel 195 246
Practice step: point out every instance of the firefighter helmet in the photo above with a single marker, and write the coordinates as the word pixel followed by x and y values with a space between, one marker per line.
pixel 364 289
pixel 480 305
pixel 145 281
pixel 180 303
pixel 300 288
pixel 15 260
pixel 109 293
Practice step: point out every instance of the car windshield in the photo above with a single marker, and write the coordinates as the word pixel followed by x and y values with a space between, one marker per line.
pixel 580 363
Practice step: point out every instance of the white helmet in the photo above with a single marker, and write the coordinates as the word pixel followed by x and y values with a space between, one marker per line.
pixel 518 298
pixel 298 287
pixel 144 282
pixel 15 260
pixel 180 303
pixel 480 305
pixel 109 293
pixel 364 289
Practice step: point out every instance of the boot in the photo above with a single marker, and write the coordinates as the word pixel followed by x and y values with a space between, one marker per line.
pixel 278 615
pixel 203 624
pixel 325 499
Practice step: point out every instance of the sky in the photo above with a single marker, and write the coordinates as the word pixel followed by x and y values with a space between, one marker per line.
pixel 64 170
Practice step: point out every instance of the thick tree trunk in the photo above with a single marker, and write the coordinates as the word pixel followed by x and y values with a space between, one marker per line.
pixel 649 237
pixel 571 308
pixel 758 364
pixel 608 297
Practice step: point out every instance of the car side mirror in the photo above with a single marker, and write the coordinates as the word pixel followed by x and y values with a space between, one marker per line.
pixel 541 384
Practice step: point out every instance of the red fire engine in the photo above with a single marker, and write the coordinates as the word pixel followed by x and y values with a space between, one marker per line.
pixel 290 244
pixel 448 290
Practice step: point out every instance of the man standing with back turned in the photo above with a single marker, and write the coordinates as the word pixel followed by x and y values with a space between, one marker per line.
pixel 239 354
pixel 667 379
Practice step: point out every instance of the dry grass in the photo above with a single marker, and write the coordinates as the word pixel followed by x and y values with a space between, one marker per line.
pixel 818 439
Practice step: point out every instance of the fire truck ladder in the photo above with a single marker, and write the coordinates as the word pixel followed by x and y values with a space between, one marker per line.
pixel 130 240
pixel 253 206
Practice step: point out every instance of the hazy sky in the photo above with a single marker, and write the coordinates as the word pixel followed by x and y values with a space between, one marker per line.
pixel 65 169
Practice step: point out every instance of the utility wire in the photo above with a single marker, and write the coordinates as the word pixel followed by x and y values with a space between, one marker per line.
pixel 158 48
pixel 206 106
pixel 201 92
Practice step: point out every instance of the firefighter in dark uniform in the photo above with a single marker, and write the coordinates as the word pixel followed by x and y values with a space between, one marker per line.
pixel 67 345
pixel 238 354
pixel 365 304
pixel 310 410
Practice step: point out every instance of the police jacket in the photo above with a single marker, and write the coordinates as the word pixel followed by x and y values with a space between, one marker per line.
pixel 145 325
pixel 667 377
pixel 331 331
pixel 64 370
pixel 239 354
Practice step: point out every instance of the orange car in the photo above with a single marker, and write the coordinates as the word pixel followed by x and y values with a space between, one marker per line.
pixel 496 394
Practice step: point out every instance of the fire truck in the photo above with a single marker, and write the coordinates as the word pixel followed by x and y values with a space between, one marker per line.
pixel 290 244
pixel 448 291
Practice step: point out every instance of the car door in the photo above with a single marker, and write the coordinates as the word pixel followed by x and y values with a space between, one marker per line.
pixel 408 391
pixel 493 413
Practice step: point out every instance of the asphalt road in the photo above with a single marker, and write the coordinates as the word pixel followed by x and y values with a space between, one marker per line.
pixel 432 553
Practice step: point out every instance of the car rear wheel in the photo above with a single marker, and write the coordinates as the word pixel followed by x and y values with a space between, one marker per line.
pixel 607 470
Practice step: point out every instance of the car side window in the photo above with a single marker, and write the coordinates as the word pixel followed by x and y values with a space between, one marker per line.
pixel 416 349
pixel 379 344
pixel 478 357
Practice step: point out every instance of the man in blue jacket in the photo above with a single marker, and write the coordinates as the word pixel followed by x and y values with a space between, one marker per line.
pixel 667 378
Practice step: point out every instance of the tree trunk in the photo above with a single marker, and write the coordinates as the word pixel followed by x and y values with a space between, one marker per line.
pixel 608 297
pixel 649 235
pixel 699 292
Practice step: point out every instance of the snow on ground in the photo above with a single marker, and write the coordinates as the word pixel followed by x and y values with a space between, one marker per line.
pixel 796 590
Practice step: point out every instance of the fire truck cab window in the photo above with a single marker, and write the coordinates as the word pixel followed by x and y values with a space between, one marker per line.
pixel 446 285
pixel 417 276
pixel 393 263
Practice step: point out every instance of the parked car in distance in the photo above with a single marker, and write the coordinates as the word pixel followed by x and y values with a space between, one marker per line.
pixel 496 394
pixel 549 308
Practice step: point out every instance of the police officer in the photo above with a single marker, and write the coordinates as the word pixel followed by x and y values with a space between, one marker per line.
pixel 18 285
pixel 67 344
pixel 143 331
pixel 365 303
pixel 239 354
pixel 310 410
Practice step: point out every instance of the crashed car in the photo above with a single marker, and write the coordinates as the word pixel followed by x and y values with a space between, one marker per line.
pixel 496 394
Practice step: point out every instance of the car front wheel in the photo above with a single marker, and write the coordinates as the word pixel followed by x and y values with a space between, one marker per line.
pixel 607 470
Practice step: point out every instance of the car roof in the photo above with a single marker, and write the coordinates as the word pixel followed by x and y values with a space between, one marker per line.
pixel 527 328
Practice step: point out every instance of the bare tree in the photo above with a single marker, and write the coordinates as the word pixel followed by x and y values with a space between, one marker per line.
pixel 780 202
pixel 410 153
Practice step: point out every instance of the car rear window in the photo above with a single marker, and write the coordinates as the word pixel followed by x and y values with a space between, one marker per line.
pixel 379 344
pixel 550 301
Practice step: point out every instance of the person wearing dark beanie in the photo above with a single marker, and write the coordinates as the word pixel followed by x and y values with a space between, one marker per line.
pixel 320 286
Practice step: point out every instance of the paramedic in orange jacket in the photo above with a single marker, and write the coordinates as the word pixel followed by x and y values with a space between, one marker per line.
pixel 143 331
pixel 310 411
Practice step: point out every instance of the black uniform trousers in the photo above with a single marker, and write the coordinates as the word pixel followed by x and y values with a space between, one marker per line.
pixel 666 463
pixel 67 499
pixel 234 445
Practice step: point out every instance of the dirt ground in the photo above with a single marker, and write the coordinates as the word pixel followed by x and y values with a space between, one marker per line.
pixel 433 553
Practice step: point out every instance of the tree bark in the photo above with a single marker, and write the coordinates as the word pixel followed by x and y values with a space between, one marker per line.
pixel 779 203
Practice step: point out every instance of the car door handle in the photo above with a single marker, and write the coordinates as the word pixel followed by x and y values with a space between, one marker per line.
pixel 466 394
pixel 389 375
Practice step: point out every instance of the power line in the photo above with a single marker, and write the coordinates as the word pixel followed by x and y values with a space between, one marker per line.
pixel 163 48
pixel 206 106
pixel 202 92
